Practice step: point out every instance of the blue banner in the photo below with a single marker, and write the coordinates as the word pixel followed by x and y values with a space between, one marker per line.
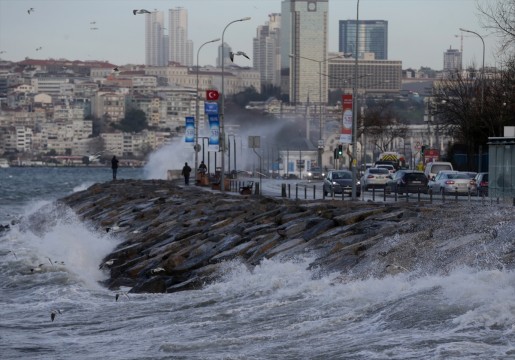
pixel 211 108
pixel 214 132
pixel 190 129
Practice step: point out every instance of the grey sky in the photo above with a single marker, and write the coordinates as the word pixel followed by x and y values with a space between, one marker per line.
pixel 419 30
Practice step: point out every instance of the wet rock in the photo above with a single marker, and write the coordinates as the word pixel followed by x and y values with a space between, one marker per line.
pixel 189 233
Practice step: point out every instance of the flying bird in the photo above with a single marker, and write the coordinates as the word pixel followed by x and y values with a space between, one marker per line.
pixel 93 28
pixel 231 55
pixel 116 69
pixel 30 10
pixel 157 270
pixel 142 11
pixel 54 313
pixel 108 263
pixel 37 268
pixel 92 22
pixel 39 48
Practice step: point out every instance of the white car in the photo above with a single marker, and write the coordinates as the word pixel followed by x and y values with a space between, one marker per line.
pixel 390 168
pixel 376 177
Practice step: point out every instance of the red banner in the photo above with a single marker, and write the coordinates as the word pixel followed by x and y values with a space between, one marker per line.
pixel 346 135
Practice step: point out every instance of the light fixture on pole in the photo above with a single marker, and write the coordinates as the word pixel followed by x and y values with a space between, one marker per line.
pixel 354 108
pixel 222 134
pixel 482 69
pixel 197 116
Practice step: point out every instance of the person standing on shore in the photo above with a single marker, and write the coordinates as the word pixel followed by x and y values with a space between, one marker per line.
pixel 114 166
pixel 186 170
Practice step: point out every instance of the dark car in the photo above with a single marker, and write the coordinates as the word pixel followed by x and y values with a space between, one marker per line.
pixel 407 181
pixel 340 182
pixel 315 174
pixel 482 184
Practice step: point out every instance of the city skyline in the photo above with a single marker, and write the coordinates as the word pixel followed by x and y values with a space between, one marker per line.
pixel 420 31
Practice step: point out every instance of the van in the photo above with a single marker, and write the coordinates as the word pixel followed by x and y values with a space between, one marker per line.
pixel 433 168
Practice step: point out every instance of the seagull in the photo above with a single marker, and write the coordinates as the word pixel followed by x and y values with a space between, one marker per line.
pixel 92 22
pixel 157 270
pixel 93 28
pixel 116 69
pixel 142 11
pixel 37 268
pixel 30 10
pixel 54 313
pixel 393 267
pixel 108 263
pixel 231 55
pixel 10 251
pixel 118 294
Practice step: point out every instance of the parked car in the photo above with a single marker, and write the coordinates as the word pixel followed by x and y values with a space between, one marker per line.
pixel 450 182
pixel 481 184
pixel 340 182
pixel 375 177
pixel 435 167
pixel 407 181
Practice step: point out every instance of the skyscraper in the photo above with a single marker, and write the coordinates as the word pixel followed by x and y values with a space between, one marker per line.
pixel 180 48
pixel 308 45
pixel 452 60
pixel 267 52
pixel 154 39
pixel 373 37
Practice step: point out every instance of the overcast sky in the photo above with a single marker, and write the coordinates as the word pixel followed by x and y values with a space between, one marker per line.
pixel 420 31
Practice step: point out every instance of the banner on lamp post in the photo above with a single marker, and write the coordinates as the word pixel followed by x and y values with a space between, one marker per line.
pixel 190 129
pixel 346 135
pixel 214 133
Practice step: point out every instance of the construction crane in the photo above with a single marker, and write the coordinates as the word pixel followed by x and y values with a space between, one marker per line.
pixel 462 36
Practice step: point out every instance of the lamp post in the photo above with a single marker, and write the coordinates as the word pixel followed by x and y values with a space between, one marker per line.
pixel 354 108
pixel 222 134
pixel 482 69
pixel 320 62
pixel 197 117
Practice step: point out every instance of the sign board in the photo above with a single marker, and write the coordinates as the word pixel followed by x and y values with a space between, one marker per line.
pixel 346 135
pixel 254 142
pixel 190 129
pixel 211 108
pixel 214 133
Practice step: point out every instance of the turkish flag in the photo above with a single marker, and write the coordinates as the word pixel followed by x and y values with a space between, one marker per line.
pixel 212 95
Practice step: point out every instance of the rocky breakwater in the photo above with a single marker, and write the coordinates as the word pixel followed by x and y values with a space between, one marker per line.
pixel 177 238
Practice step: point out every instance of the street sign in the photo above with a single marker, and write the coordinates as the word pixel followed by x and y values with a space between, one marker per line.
pixel 211 108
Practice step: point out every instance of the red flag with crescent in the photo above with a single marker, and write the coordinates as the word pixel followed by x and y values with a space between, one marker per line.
pixel 211 95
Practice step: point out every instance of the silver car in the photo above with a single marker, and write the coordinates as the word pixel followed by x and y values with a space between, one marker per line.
pixel 451 182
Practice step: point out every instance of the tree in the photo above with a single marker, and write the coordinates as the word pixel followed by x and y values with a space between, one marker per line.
pixel 382 125
pixel 135 120
pixel 499 17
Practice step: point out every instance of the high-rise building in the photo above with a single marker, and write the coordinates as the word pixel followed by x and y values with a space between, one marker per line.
pixel 373 38
pixel 154 39
pixel 267 51
pixel 452 60
pixel 308 50
pixel 180 48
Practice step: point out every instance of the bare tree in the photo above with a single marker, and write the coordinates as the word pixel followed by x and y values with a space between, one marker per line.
pixel 382 126
pixel 499 17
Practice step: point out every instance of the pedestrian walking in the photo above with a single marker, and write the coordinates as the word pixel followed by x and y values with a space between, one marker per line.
pixel 114 166
pixel 186 170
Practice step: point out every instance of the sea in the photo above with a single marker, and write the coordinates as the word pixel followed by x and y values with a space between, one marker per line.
pixel 277 310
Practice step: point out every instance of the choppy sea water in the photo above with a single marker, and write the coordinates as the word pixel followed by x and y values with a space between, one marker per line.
pixel 278 310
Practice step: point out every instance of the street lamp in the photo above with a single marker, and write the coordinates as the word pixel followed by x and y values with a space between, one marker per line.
pixel 320 62
pixel 197 117
pixel 483 68
pixel 222 134
pixel 354 108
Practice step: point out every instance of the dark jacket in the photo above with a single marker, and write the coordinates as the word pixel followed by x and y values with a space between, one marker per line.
pixel 114 163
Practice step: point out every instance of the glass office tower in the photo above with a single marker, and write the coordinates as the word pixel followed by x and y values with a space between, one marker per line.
pixel 373 37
